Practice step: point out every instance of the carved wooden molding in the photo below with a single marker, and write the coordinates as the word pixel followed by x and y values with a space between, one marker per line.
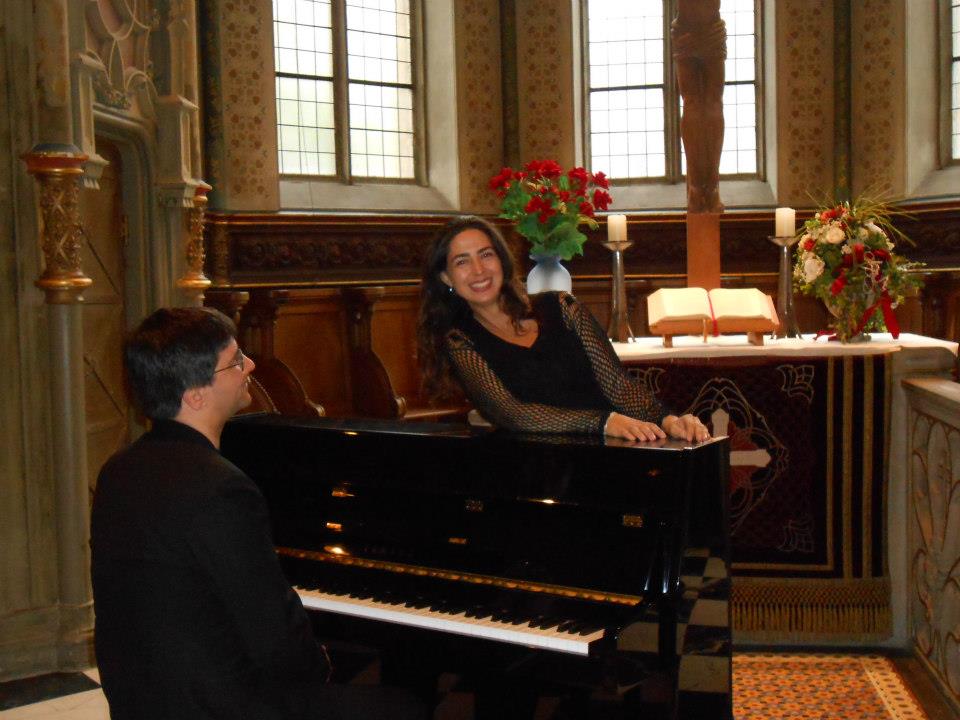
pixel 303 249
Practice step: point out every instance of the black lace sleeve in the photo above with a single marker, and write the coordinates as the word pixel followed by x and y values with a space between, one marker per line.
pixel 498 405
pixel 627 395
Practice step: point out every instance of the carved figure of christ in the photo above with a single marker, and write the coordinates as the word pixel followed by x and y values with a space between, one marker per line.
pixel 699 39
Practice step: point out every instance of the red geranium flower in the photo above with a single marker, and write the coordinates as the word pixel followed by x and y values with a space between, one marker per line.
pixel 601 199
pixel 579 178
pixel 545 202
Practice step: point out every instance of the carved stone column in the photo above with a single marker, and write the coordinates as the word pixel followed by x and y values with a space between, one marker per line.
pixel 58 170
pixel 193 283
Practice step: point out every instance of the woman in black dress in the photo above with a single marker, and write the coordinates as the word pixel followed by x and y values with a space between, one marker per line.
pixel 539 364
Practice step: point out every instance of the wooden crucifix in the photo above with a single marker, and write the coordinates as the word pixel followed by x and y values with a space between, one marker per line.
pixel 699 50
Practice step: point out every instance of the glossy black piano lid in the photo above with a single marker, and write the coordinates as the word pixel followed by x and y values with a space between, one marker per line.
pixel 566 510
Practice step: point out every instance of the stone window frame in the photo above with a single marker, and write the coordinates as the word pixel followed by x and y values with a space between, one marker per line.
pixel 671 100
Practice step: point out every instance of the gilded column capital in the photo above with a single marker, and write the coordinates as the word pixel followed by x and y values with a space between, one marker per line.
pixel 194 282
pixel 58 169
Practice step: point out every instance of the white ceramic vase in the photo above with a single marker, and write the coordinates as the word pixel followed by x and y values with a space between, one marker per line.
pixel 548 274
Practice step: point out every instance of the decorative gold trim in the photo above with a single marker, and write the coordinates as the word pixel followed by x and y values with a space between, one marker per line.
pixel 58 173
pixel 194 282
pixel 775 610
pixel 344 558
pixel 634 521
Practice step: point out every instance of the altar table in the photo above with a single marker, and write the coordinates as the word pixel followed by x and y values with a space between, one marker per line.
pixel 818 472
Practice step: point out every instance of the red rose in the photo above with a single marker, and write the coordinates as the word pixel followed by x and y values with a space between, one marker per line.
pixel 858 252
pixel 837 286
pixel 847 260
pixel 533 167
pixel 809 244
pixel 881 254
pixel 601 199
pixel 586 208
pixel 564 195
pixel 600 180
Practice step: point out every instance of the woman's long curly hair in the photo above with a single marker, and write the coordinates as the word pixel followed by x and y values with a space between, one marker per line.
pixel 441 308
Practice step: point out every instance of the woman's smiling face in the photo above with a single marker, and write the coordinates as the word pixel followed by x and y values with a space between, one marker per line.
pixel 473 268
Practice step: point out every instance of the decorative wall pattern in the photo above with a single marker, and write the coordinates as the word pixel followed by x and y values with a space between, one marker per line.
pixel 804 100
pixel 877 86
pixel 935 544
pixel 241 127
pixel 545 80
pixel 479 105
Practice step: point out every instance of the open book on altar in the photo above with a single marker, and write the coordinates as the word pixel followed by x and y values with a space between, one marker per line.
pixel 696 311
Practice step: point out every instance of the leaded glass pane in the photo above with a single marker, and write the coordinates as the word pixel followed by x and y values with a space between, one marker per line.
pixel 626 132
pixel 385 114
pixel 955 106
pixel 305 135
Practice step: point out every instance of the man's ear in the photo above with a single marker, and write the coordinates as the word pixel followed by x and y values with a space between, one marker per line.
pixel 193 398
pixel 445 278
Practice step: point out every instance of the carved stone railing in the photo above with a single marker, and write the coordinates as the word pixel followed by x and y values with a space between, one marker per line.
pixel 934 530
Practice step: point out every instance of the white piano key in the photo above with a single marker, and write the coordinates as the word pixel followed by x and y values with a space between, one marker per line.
pixel 547 638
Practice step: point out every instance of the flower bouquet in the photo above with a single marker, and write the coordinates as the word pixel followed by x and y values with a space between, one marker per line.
pixel 845 257
pixel 549 205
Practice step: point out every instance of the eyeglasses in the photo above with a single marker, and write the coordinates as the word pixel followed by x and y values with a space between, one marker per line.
pixel 239 362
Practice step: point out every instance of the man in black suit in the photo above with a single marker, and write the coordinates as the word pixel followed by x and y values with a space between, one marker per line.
pixel 194 618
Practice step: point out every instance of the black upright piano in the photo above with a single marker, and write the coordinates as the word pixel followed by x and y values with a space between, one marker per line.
pixel 567 549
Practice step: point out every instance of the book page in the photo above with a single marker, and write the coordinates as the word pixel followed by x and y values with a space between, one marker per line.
pixel 747 303
pixel 677 304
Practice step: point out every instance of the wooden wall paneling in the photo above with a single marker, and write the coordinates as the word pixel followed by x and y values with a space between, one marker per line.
pixel 373 391
pixel 383 365
pixel 277 379
pixel 309 337
pixel 394 339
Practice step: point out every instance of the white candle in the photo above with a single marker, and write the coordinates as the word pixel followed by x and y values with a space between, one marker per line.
pixel 786 222
pixel 616 228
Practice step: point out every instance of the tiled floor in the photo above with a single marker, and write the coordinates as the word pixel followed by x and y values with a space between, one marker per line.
pixel 84 705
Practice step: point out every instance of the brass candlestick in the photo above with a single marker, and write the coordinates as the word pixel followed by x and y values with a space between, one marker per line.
pixel 619 328
pixel 788 321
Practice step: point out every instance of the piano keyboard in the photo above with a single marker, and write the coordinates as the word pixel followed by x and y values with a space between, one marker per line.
pixel 552 637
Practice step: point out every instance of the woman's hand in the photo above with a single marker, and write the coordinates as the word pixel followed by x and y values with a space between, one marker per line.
pixel 686 427
pixel 628 428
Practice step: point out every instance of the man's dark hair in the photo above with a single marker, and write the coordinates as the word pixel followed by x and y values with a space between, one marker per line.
pixel 170 351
